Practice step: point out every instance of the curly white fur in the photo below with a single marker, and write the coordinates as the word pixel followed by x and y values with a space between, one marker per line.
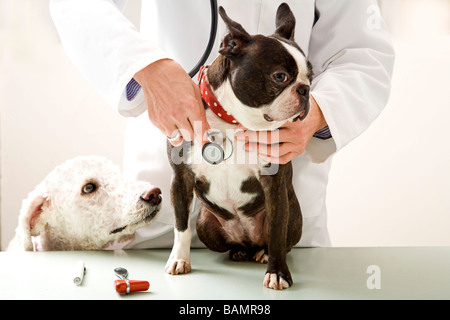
pixel 61 216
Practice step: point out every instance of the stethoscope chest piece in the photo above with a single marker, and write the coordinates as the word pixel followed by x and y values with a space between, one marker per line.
pixel 213 152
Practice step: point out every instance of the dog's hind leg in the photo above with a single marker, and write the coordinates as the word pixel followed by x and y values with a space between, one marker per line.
pixel 209 231
pixel 261 256
pixel 249 254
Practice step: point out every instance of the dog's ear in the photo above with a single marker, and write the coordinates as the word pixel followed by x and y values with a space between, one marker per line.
pixel 236 38
pixel 30 219
pixel 285 22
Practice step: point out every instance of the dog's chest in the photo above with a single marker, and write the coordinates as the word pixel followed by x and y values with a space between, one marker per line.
pixel 234 183
pixel 224 185
pixel 233 194
pixel 232 190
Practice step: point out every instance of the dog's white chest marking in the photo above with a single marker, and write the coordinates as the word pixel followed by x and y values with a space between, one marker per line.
pixel 225 181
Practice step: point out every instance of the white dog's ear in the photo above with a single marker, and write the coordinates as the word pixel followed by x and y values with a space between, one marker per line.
pixel 31 221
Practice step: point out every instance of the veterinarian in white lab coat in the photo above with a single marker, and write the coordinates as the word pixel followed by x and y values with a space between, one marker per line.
pixel 346 41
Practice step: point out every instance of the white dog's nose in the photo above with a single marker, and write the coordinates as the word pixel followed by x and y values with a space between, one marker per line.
pixel 152 196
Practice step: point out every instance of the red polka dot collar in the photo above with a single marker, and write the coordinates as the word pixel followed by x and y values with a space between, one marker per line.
pixel 211 99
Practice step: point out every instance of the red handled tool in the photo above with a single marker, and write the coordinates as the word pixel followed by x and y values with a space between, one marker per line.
pixel 126 286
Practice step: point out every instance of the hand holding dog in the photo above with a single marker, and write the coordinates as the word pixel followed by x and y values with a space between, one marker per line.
pixel 173 100
pixel 290 139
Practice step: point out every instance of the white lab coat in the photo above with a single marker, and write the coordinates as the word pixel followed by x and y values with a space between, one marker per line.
pixel 346 41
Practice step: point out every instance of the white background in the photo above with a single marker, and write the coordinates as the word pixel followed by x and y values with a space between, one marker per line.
pixel 389 187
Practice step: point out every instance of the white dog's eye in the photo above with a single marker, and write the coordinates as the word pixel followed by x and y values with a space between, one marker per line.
pixel 280 77
pixel 89 188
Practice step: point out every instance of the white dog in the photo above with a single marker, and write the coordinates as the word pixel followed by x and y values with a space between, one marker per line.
pixel 85 204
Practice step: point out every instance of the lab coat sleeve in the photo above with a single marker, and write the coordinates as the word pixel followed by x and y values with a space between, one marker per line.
pixel 104 45
pixel 352 59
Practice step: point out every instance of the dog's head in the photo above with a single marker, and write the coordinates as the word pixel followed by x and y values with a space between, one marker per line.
pixel 85 204
pixel 263 81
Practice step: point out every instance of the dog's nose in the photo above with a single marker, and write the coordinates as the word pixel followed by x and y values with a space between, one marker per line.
pixel 303 90
pixel 152 196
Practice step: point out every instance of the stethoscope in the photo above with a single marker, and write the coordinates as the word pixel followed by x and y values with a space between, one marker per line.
pixel 212 38
pixel 218 148
pixel 214 152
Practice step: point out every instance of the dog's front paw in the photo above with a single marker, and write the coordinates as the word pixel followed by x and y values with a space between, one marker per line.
pixel 177 266
pixel 277 281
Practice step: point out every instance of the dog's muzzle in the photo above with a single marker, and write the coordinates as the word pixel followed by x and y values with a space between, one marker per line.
pixel 152 196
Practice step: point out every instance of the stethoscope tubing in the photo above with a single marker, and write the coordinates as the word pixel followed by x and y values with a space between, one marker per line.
pixel 212 38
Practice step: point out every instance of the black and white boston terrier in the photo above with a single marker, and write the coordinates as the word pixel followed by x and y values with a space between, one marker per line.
pixel 260 82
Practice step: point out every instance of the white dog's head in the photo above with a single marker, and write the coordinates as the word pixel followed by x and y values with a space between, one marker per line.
pixel 85 204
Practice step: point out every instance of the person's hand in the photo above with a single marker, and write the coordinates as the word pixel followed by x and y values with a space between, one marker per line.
pixel 173 101
pixel 287 142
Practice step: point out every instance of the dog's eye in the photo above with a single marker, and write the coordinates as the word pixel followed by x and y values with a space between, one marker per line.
pixel 280 77
pixel 89 188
